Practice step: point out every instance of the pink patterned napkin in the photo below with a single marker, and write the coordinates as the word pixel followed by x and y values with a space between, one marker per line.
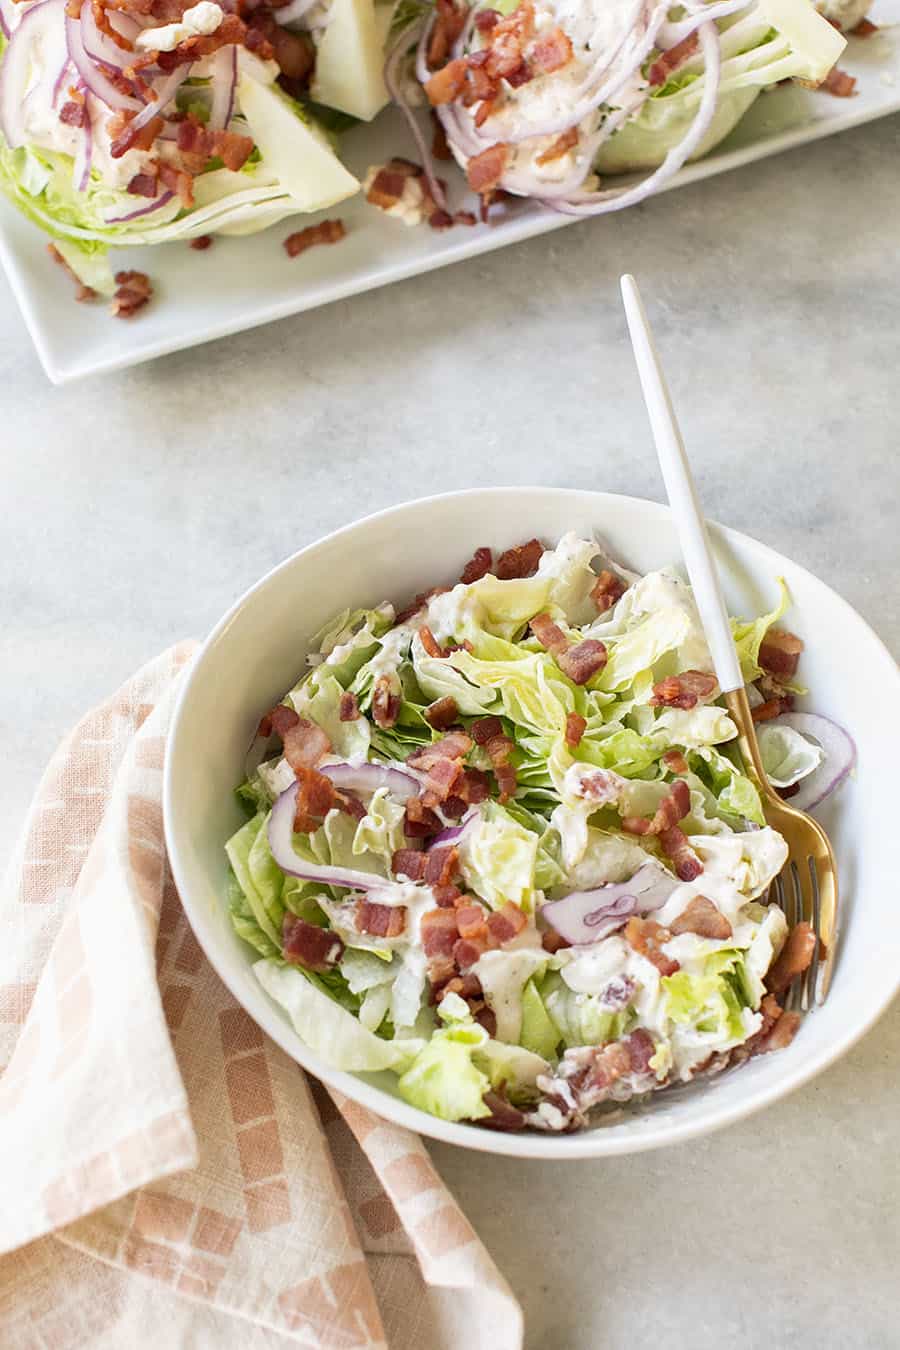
pixel 169 1177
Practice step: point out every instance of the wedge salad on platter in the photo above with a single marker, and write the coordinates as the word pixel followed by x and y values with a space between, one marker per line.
pixel 140 122
pixel 500 841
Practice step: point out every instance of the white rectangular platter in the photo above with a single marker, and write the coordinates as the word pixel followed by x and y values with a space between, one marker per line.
pixel 241 283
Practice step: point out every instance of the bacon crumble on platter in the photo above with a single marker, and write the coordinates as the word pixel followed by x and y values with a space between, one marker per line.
pixel 326 232
pixel 133 292
pixel 400 188
pixel 684 690
pixel 838 83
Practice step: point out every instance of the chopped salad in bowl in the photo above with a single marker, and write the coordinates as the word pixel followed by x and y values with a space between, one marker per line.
pixel 500 841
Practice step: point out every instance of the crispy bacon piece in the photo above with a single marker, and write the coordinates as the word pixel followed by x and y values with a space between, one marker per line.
pixel 684 690
pixel 380 920
pixel 865 28
pixel 387 186
pixel 293 53
pixel 144 185
pixel 792 960
pixel 506 923
pixel 673 807
pixel 607 591
pixel 641 1049
pixel 486 19
pixel 550 53
pixel 840 84
pixel 478 565
pixel 520 561
pixel 133 291
pixel 279 719
pixel 448 24
pixel 232 31
pixel 455 745
pixel 385 703
pixel 702 917
pixel 551 941
pixel 178 181
pixel 439 937
pixel 125 138
pixel 83 293
pixel 673 841
pixel 316 795
pixel 488 733
pixel 607 1064
pixel 504 1116
pixel 675 761
pixel 560 146
pixel 348 708
pixel 471 920
pixel 197 145
pixel 442 714
pixel 648 938
pixel 73 114
pixel 583 660
pixel 467 951
pixel 326 232
pixel 484 172
pixel 783 1032
pixel 676 56
pixel 410 863
pixel 304 742
pixel 430 642
pixel 773 707
pixel 475 787
pixel 419 603
pixel 306 945
pixel 575 727
pixel 447 83
pixel 549 634
pixel 448 897
pixel 419 820
pixel 440 866
pixel 779 653
pixel 485 729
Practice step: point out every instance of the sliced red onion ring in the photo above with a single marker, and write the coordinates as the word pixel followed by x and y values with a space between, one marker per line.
pixel 100 46
pixel 840 756
pixel 280 834
pixel 165 92
pixel 5 24
pixel 142 210
pixel 224 84
pixel 16 66
pixel 95 79
pixel 454 833
pixel 368 778
pixel 393 86
pixel 60 81
pixel 124 24
pixel 587 916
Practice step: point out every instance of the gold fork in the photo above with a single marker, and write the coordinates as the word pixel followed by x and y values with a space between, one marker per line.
pixel 806 888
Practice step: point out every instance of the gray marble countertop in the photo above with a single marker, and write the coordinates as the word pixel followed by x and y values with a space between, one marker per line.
pixel 138 506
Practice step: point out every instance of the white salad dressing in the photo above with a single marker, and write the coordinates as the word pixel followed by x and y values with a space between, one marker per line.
pixel 503 974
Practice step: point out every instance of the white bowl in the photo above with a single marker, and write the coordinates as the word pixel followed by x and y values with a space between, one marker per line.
pixel 257 652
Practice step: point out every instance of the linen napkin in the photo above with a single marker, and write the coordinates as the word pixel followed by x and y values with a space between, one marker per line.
pixel 169 1176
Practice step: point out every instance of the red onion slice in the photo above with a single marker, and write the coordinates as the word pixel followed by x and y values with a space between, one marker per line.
pixel 100 46
pixel 840 756
pixel 392 83
pixel 588 916
pixel 165 92
pixel 15 67
pixel 141 210
pixel 224 84
pixel 5 27
pixel 454 833
pixel 280 834
pixel 90 72
pixel 368 778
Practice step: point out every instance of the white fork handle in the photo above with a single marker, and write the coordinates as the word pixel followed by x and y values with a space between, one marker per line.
pixel 682 494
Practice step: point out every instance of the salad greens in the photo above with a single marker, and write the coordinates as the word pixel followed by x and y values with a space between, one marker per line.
pixel 440 865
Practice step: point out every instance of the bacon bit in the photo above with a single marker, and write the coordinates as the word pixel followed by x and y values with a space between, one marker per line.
pixel 316 796
pixel 293 53
pixel 348 707
pixel 648 938
pixel 504 1116
pixel 440 866
pixel 484 172
pixel 519 561
pixel 388 185
pixel 675 761
pixel 385 703
pixel 583 660
pixel 409 863
pixel 608 1063
pixel 551 941
pixel 419 603
pixel 471 921
pixel 484 729
pixel 506 923
pixel 840 84
pixel 179 182
pixel 448 24
pixel 430 642
pixel 549 634
pixel 781 1035
pixel 475 787
pixel 703 918
pixel 456 745
pixel 641 1049
pixel 467 986
pixel 467 951
pixel 448 897
pixel 864 29
pixel 231 32
pixel 442 714
pixel 465 218
pixel 305 743
pixel 779 653
pixel 279 719
pixel 197 145
pixel 793 959
pixel 326 232
pixel 673 807
pixel 125 138
pixel 144 185
pixel 550 53
pixel 575 728
pixel 773 707
pixel 446 84
pixel 73 114
pixel 419 820
pixel 380 920
pixel 101 19
pixel 84 294
pixel 607 591
pixel 688 866
pixel 684 690
pixel 499 748
pixel 559 147
pixel 487 19
pixel 201 243
pixel 477 567
pixel 676 56
pixel 133 292
pixel 305 944
pixel 439 932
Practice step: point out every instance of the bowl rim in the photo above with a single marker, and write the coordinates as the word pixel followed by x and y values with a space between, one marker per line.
pixel 586 1144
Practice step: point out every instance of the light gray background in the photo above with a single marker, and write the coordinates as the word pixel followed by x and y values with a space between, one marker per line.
pixel 136 507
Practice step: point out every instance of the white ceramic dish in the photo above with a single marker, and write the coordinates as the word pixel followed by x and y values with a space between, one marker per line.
pixel 241 283
pixel 258 649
